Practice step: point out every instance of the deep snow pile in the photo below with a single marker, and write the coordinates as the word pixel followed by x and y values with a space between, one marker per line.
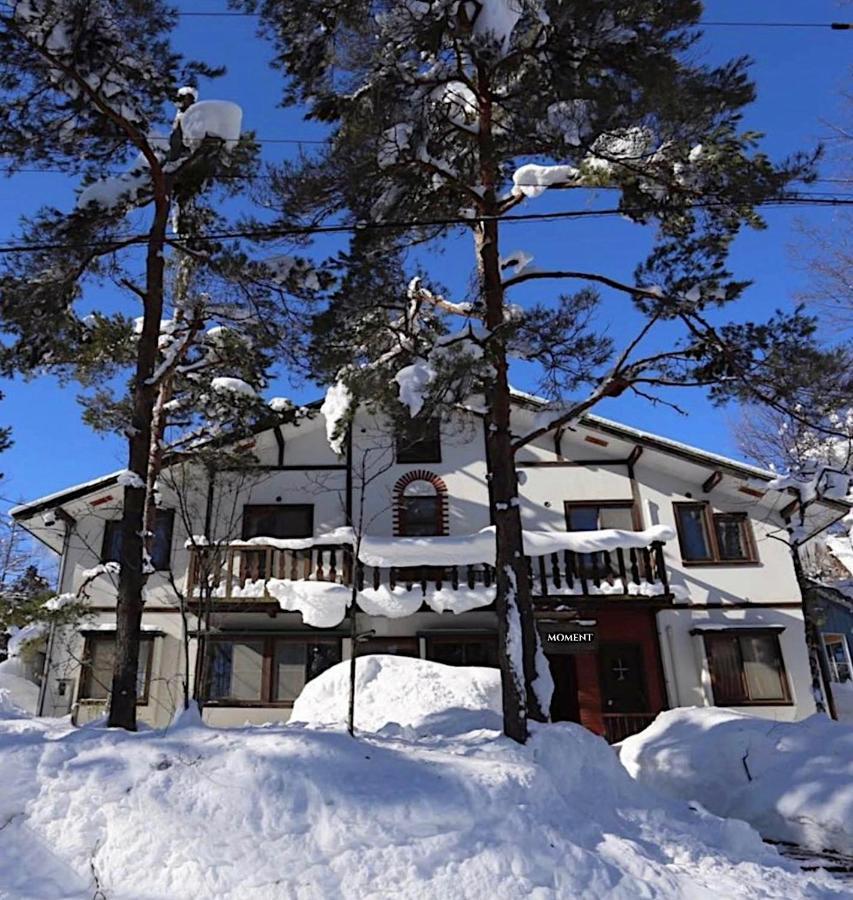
pixel 16 691
pixel 395 690
pixel 299 811
pixel 801 786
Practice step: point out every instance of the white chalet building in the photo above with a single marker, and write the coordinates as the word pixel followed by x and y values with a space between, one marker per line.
pixel 700 609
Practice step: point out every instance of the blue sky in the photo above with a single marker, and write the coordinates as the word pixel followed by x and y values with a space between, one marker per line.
pixel 800 74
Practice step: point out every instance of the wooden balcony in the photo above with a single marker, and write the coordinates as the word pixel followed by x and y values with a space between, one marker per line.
pixel 239 572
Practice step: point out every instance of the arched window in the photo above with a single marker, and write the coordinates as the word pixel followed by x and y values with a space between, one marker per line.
pixel 420 507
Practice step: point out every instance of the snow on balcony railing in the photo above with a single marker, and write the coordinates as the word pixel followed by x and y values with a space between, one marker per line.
pixel 394 577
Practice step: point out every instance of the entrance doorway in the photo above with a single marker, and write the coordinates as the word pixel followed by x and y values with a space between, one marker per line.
pixel 565 706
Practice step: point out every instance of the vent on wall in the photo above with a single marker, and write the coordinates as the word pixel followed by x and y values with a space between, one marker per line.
pixel 599 442
pixel 753 492
pixel 101 500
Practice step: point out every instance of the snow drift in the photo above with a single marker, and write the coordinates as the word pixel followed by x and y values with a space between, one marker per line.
pixel 395 690
pixel 793 781
pixel 308 812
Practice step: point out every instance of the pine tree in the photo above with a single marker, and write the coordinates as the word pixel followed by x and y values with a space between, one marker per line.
pixel 447 116
pixel 85 85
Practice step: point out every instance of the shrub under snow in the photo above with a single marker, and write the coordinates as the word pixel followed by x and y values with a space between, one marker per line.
pixel 793 781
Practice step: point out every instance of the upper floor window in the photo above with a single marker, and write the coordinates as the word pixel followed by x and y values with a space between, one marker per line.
pixel 420 510
pixel 161 542
pixel 418 441
pixel 597 515
pixel 279 520
pixel 713 537
pixel 746 668
pixel 97 671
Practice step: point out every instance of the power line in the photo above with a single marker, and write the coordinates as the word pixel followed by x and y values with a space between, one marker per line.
pixel 702 23
pixel 274 232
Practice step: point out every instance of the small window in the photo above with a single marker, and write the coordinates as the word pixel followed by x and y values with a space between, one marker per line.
pixel 838 656
pixel 282 520
pixel 161 543
pixel 97 671
pixel 713 537
pixel 418 441
pixel 420 510
pixel 594 517
pixel 463 650
pixel 746 669
pixel 266 671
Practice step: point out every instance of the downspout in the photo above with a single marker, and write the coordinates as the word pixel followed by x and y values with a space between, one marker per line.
pixel 69 523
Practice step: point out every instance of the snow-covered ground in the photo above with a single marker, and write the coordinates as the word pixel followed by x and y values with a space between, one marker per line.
pixel 438 807
pixel 793 781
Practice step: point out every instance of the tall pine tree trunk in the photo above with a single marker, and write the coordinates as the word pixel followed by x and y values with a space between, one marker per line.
pixel 132 575
pixel 516 625
pixel 821 684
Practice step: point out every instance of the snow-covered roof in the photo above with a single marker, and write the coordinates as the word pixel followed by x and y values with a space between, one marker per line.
pixel 589 420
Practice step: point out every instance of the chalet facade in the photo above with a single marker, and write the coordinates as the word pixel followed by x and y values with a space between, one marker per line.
pixel 695 604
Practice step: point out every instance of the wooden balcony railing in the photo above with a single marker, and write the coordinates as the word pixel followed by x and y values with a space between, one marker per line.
pixel 621 571
pixel 239 571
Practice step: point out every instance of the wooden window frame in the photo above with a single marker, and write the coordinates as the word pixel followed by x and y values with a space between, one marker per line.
pixel 709 517
pixel 168 515
pixel 636 521
pixel 482 637
pixel 735 634
pixel 270 507
pixel 841 637
pixel 86 669
pixel 401 458
pixel 267 669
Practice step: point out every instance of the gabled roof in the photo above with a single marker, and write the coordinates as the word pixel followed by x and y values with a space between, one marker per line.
pixel 589 420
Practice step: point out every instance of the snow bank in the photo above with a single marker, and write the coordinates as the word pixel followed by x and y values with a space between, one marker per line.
pixel 17 693
pixel 397 690
pixel 801 786
pixel 290 811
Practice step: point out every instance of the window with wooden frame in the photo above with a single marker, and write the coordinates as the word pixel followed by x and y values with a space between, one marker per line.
pixel 278 520
pixel 161 543
pixel 708 538
pixel 746 668
pixel 258 670
pixel 463 649
pixel 96 677
pixel 418 440
pixel 838 657
pixel 594 515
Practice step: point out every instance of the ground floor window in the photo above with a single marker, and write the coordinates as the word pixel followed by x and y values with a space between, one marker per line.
pixel 746 668
pixel 838 656
pixel 98 659
pixel 463 649
pixel 265 670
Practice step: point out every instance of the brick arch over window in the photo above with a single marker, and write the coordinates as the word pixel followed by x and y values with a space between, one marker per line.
pixel 409 479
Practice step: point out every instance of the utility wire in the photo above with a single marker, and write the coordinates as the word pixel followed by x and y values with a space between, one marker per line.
pixel 274 232
pixel 834 26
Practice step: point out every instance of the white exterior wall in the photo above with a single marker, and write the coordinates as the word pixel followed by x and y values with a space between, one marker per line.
pixel 715 593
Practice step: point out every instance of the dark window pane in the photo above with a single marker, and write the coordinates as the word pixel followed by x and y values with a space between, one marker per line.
pixel 418 440
pixel 762 666
pixel 725 664
pixel 322 656
pixel 616 517
pixel 583 518
pixel 161 542
pixel 462 652
pixel 692 534
pixel 730 536
pixel 236 670
pixel 420 516
pixel 292 520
